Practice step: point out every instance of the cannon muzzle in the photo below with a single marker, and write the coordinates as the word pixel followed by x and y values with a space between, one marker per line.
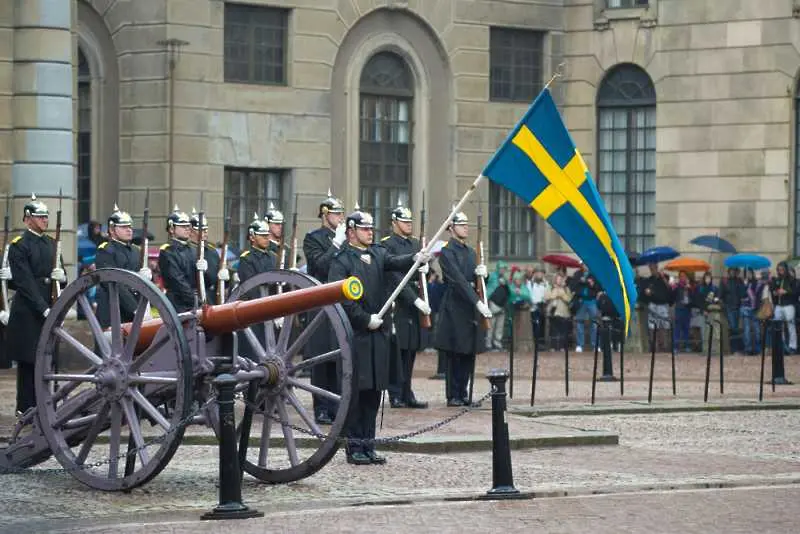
pixel 237 315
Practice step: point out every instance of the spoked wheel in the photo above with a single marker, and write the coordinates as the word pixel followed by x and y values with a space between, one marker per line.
pixel 98 420
pixel 285 454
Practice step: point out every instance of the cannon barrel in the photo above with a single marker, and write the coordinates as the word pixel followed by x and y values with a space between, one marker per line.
pixel 232 316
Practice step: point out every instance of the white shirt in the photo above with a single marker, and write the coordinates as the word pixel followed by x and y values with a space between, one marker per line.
pixel 538 290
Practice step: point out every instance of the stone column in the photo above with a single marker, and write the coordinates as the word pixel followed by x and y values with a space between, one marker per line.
pixel 43 113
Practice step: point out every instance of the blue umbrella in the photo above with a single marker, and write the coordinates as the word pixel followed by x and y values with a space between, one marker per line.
pixel 714 242
pixel 747 261
pixel 657 255
pixel 86 247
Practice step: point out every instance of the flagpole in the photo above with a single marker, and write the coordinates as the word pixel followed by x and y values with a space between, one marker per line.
pixel 557 74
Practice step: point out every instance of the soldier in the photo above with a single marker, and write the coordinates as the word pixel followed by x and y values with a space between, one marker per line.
pixel 370 334
pixel 30 260
pixel 457 333
pixel 257 259
pixel 275 220
pixel 177 262
pixel 407 331
pixel 319 246
pixel 210 262
pixel 120 253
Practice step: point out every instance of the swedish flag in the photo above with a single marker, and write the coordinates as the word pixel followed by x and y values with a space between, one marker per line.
pixel 539 163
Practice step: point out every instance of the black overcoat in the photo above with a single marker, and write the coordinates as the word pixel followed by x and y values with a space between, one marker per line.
pixel 318 249
pixel 371 354
pixel 121 255
pixel 459 326
pixel 176 261
pixel 405 314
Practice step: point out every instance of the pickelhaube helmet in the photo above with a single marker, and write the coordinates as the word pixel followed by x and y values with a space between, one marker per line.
pixel 194 220
pixel 273 216
pixel 330 205
pixel 35 208
pixel 119 218
pixel 402 213
pixel 360 219
pixel 177 218
pixel 258 226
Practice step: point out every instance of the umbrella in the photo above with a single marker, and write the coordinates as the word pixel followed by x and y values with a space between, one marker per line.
pixel 562 260
pixel 747 261
pixel 714 242
pixel 86 247
pixel 657 255
pixel 690 265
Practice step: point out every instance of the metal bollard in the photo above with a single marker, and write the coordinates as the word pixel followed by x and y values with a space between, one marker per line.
pixel 502 477
pixel 778 369
pixel 230 477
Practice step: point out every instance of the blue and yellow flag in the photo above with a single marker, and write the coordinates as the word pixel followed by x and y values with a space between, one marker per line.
pixel 539 163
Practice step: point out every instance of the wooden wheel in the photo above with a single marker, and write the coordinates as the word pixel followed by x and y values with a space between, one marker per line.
pixel 118 401
pixel 284 454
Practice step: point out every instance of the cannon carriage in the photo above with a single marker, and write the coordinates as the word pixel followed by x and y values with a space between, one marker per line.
pixel 115 423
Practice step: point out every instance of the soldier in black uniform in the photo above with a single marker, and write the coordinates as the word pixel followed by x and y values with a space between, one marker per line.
pixel 30 258
pixel 274 219
pixel 407 332
pixel 370 333
pixel 257 259
pixel 319 246
pixel 177 262
pixel 120 253
pixel 458 332
pixel 210 261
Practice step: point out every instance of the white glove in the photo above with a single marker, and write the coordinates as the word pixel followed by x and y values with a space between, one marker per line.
pixel 146 273
pixel 46 313
pixel 202 265
pixel 483 309
pixel 58 275
pixel 481 271
pixel 148 314
pixel 5 273
pixel 4 317
pixel 422 306
pixel 423 257
pixel 224 275
pixel 71 314
pixel 375 322
pixel 424 268
pixel 236 279
pixel 341 235
pixel 278 322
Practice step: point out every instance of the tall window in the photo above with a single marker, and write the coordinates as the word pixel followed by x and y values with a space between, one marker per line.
pixel 626 107
pixel 255 44
pixel 248 192
pixel 512 226
pixel 84 139
pixel 627 3
pixel 387 93
pixel 515 64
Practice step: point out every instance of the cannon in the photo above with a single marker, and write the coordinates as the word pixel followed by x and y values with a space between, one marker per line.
pixel 116 423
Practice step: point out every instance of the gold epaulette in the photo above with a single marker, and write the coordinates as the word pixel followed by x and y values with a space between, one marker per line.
pixel 16 239
pixel 103 245
pixel 385 238
pixel 245 253
pixel 165 246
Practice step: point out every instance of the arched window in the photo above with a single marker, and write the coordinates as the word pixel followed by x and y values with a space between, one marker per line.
pixel 84 139
pixel 387 94
pixel 626 155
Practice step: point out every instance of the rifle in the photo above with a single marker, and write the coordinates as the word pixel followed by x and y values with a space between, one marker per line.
pixel 424 320
pixel 480 283
pixel 55 290
pixel 223 262
pixel 145 223
pixel 293 249
pixel 201 250
pixel 6 246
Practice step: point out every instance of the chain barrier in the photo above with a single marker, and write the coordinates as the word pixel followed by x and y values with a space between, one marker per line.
pixel 379 440
pixel 183 423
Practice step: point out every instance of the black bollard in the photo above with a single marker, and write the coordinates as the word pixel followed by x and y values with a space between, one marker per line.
pixel 708 359
pixel 230 477
pixel 764 331
pixel 622 365
pixel 606 339
pixel 511 358
pixel 566 367
pixel 778 369
pixel 653 338
pixel 502 476
pixel 672 350
pixel 594 366
pixel 535 366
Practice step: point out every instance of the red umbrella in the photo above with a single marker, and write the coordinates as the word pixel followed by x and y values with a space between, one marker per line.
pixel 562 260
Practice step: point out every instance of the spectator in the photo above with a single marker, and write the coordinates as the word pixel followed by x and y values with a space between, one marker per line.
pixel 707 300
pixel 747 312
pixel 732 293
pixel 684 290
pixel 538 288
pixel 95 231
pixel 558 299
pixel 784 295
pixel 497 292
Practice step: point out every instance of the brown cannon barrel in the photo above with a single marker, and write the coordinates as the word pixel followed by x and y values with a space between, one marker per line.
pixel 232 316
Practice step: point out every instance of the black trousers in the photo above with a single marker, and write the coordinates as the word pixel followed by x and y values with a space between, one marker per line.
pixel 559 332
pixel 459 369
pixel 326 376
pixel 400 388
pixel 537 323
pixel 361 420
pixel 26 391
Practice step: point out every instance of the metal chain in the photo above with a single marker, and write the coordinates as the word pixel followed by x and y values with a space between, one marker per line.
pixel 378 440
pixel 183 423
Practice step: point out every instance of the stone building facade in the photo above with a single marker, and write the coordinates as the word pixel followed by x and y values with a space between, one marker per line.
pixel 685 110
